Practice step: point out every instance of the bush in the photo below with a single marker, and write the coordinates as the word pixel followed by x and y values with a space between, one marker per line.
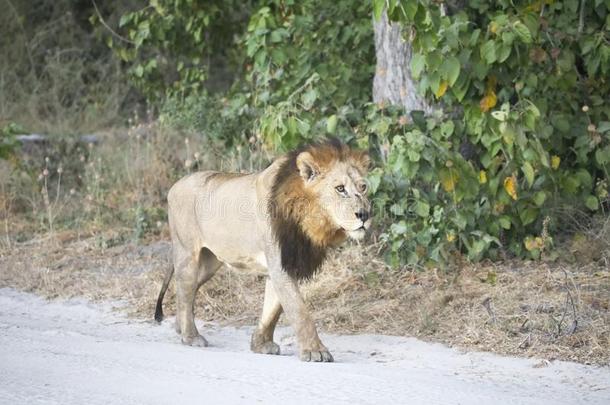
pixel 55 75
pixel 524 128
pixel 521 129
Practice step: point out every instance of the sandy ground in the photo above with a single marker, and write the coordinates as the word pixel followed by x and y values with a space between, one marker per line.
pixel 75 352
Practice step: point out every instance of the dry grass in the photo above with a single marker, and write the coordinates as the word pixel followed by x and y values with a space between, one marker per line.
pixel 120 181
pixel 518 308
pixel 56 76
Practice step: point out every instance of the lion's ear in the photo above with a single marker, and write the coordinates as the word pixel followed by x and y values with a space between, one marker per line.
pixel 363 160
pixel 308 169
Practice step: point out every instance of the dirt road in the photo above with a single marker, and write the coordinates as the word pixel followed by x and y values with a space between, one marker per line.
pixel 75 352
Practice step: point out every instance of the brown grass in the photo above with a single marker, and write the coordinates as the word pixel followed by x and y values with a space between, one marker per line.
pixel 518 308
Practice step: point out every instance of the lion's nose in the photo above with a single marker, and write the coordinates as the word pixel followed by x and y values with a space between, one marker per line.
pixel 362 214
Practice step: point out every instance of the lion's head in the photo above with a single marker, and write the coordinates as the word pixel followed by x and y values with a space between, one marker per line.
pixel 318 199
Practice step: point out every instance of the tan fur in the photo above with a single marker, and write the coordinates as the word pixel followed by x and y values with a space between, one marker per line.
pixel 218 218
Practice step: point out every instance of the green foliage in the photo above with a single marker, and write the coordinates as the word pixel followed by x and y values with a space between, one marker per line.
pixel 172 46
pixel 7 139
pixel 308 66
pixel 220 120
pixel 146 219
pixel 524 90
pixel 305 64
pixel 55 76
pixel 522 124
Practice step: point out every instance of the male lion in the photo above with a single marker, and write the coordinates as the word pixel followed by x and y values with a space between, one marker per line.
pixel 282 219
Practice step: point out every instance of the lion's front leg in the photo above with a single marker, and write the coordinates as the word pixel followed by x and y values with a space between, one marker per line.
pixel 262 338
pixel 287 290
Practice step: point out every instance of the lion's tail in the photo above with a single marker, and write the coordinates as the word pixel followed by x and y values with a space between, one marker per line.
pixel 159 308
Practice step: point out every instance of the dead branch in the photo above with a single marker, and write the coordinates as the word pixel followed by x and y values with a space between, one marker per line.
pixel 487 304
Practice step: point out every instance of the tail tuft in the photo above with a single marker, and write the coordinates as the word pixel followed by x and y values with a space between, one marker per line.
pixel 159 313
pixel 159 307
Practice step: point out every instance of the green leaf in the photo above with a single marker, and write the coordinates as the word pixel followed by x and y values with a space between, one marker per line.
pixel 528 216
pixel 504 52
pixel 504 221
pixel 397 209
pixel 592 203
pixel 528 171
pixel 561 122
pixel 602 156
pixel 508 37
pixel 584 178
pixel 447 128
pixel 460 88
pixel 303 127
pixel 522 32
pixel 488 52
pixel 309 98
pixel 276 36
pixel 125 18
pixel 449 178
pixel 413 155
pixel 292 125
pixel 603 127
pixel 139 71
pixel 476 249
pixel 451 69
pixel 278 56
pixel 499 115
pixel 331 124
pixel 422 209
pixel 531 108
pixel 374 179
pixel 158 7
pixel 410 8
pixel 378 6
pixel 399 228
pixel 539 198
pixel 418 63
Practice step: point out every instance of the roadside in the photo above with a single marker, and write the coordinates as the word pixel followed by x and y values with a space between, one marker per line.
pixel 74 352
pixel 522 309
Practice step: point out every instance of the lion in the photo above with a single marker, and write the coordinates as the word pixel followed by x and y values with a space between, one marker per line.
pixel 282 219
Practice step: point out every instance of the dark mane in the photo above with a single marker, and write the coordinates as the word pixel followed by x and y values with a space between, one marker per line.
pixel 300 255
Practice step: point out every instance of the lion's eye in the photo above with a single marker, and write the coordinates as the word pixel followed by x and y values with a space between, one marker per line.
pixel 340 188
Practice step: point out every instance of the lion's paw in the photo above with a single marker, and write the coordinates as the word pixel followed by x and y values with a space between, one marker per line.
pixel 317 356
pixel 197 341
pixel 267 348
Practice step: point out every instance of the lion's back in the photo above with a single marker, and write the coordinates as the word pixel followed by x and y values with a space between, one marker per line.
pixel 211 207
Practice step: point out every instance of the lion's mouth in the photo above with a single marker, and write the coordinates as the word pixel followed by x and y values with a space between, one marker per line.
pixel 357 233
pixel 359 229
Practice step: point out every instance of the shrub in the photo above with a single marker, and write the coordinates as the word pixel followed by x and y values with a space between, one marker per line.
pixel 521 130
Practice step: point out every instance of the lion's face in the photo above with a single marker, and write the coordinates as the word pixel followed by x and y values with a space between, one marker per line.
pixel 341 189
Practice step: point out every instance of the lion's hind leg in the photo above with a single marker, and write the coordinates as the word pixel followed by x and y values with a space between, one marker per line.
pixel 198 269
pixel 262 338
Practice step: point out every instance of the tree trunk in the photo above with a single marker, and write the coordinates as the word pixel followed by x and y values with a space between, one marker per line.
pixel 393 83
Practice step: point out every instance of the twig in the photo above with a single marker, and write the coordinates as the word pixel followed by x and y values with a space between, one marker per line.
pixel 113 32
pixel 7 209
pixel 522 327
pixel 27 44
pixel 487 304
pixel 570 300
pixel 527 342
pixel 581 18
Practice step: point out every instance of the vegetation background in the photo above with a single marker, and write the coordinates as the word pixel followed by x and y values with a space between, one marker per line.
pixel 488 122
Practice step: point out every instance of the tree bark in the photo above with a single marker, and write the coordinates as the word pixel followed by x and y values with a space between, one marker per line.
pixel 393 83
